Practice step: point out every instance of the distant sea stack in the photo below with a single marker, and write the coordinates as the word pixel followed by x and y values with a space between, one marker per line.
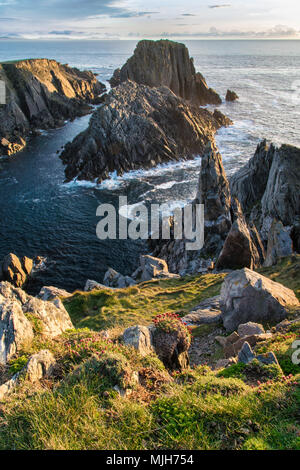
pixel 156 63
pixel 139 127
pixel 42 94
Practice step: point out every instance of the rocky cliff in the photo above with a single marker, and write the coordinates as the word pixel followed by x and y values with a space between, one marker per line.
pixel 41 94
pixel 268 187
pixel 139 127
pixel 167 63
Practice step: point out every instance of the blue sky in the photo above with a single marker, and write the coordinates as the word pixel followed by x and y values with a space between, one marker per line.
pixel 125 19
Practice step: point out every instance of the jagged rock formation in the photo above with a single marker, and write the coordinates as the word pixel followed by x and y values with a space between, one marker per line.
pixel 249 183
pixel 41 94
pixel 253 222
pixel 116 280
pixel 16 271
pixel 231 96
pixel 20 314
pixel 239 250
pixel 166 63
pixel 268 187
pixel 139 127
pixel 248 296
pixel 279 243
pixel 152 268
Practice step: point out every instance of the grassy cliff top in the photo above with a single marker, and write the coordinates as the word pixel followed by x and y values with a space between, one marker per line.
pixel 79 408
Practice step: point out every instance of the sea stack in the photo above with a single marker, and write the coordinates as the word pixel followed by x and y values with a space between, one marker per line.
pixel 157 63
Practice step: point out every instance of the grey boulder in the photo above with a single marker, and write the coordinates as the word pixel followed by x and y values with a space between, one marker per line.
pixel 249 296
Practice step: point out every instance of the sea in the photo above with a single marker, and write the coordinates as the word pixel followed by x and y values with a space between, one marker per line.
pixel 41 215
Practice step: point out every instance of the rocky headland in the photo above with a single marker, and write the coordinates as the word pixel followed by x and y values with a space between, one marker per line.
pixel 139 127
pixel 42 94
pixel 151 116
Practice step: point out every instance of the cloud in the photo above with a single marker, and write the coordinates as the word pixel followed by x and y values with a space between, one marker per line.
pixel 224 5
pixel 70 9
pixel 276 32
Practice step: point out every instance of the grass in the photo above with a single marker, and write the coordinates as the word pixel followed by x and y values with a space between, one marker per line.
pixel 139 304
pixel 80 407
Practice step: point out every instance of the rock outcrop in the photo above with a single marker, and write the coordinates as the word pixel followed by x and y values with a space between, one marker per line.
pixel 52 293
pixel 214 193
pixel 231 96
pixel 239 250
pixel 140 338
pixel 166 63
pixel 116 280
pixel 39 365
pixel 152 268
pixel 41 94
pixel 249 183
pixel 249 296
pixel 15 270
pixel 268 187
pixel 139 127
pixel 280 244
pixel 21 315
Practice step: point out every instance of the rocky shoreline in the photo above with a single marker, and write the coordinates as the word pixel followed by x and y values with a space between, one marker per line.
pixel 42 94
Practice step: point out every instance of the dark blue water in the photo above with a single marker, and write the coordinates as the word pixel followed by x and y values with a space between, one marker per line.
pixel 40 215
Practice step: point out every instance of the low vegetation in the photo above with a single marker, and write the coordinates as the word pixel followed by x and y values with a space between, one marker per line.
pixel 94 400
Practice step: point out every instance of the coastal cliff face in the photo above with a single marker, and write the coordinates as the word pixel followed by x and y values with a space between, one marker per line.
pixel 167 63
pixel 139 127
pixel 41 94
pixel 268 186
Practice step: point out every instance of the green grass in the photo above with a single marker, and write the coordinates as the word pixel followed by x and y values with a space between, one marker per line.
pixel 139 304
pixel 79 407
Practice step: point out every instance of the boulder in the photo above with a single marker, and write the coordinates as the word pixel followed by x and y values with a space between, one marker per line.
pixel 239 251
pixel 12 270
pixel 138 127
pixel 15 329
pixel 280 243
pixel 171 348
pixel 166 63
pixel 27 264
pixel 231 96
pixel 224 363
pixel 94 285
pixel 39 365
pixel 16 308
pixel 140 337
pixel 207 312
pixel 250 328
pixel 246 355
pixel 114 279
pixel 249 296
pixel 52 293
pixel 154 268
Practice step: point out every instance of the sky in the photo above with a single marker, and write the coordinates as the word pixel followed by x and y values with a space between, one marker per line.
pixel 136 19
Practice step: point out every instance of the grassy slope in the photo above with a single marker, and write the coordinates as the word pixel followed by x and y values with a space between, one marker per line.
pixel 198 409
